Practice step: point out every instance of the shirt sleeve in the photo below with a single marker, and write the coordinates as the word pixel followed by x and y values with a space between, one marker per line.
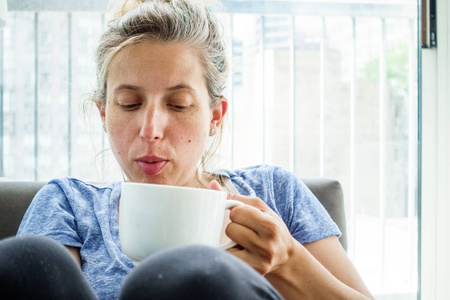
pixel 302 212
pixel 50 214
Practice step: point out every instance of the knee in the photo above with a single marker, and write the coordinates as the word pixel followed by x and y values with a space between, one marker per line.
pixel 27 242
pixel 30 264
pixel 23 248
pixel 187 261
pixel 188 272
pixel 22 252
pixel 22 255
pixel 193 272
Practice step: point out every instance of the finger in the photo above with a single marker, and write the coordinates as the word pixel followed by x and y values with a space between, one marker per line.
pixel 242 235
pixel 261 222
pixel 252 201
pixel 231 196
pixel 250 216
pixel 247 239
pixel 214 185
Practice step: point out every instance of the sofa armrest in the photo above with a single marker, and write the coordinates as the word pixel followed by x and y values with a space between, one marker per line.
pixel 15 197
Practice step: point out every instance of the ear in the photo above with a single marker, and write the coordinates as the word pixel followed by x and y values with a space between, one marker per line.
pixel 219 111
pixel 101 110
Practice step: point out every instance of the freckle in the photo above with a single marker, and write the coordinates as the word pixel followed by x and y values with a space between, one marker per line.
pixel 189 141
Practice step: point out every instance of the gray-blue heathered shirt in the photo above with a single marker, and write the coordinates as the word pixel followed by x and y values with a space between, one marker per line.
pixel 83 215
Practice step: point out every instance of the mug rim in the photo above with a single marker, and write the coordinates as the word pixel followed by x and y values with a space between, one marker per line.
pixel 167 186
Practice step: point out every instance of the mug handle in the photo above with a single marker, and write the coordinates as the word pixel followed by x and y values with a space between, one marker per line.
pixel 230 204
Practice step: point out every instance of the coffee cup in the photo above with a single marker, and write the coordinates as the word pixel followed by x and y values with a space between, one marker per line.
pixel 155 217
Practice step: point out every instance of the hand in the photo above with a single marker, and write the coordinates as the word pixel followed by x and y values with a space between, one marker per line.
pixel 266 243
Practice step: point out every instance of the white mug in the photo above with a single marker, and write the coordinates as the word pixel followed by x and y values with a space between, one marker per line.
pixel 154 217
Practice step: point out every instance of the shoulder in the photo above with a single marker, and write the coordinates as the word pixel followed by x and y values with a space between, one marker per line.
pixel 275 185
pixel 262 176
pixel 74 183
pixel 69 185
pixel 71 190
pixel 258 173
pixel 267 182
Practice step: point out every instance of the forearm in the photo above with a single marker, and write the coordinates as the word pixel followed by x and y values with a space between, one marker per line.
pixel 75 251
pixel 305 278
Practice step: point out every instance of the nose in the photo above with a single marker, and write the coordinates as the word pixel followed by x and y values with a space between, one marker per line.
pixel 152 124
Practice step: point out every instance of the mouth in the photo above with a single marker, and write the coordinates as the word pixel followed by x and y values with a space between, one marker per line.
pixel 151 165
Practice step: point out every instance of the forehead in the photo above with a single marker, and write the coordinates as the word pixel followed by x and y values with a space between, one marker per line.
pixel 156 63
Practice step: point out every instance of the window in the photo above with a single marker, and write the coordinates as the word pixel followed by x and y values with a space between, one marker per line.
pixel 321 88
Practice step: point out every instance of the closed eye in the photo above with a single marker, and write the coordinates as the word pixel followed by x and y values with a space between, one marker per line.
pixel 178 107
pixel 130 106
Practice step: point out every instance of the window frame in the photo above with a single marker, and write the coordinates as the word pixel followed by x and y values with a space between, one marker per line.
pixel 435 179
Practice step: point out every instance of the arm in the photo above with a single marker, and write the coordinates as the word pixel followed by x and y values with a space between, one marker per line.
pixel 332 256
pixel 50 214
pixel 319 270
pixel 75 251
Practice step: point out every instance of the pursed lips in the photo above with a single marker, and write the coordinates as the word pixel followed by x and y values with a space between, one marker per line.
pixel 151 165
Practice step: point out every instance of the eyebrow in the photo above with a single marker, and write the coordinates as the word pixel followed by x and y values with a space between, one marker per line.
pixel 127 87
pixel 180 87
pixel 139 89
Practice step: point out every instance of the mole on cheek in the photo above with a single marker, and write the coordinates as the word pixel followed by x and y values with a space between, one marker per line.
pixel 189 141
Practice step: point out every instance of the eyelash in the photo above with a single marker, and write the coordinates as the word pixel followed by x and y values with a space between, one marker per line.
pixel 178 107
pixel 131 106
pixel 134 106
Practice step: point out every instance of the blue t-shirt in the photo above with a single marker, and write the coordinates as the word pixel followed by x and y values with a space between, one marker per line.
pixel 84 215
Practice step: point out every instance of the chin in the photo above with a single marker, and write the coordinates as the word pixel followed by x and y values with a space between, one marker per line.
pixel 154 180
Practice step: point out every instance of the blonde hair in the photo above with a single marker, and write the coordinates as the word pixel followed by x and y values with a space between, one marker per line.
pixel 163 21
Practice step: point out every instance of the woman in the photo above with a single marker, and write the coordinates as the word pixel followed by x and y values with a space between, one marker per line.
pixel 161 70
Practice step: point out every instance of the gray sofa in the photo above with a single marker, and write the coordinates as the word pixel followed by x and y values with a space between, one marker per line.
pixel 15 197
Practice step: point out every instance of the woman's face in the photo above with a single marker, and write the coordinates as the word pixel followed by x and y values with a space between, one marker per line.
pixel 157 112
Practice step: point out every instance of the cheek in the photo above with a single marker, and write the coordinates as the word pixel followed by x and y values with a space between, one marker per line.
pixel 194 137
pixel 119 136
